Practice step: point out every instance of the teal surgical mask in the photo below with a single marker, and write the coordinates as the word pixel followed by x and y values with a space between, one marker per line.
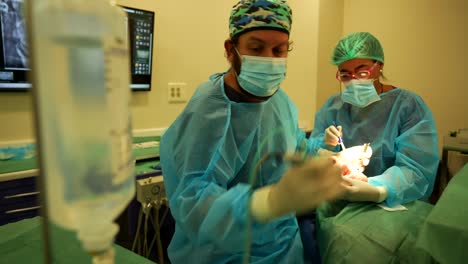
pixel 360 93
pixel 261 76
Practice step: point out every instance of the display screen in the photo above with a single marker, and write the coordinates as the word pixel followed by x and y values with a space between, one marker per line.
pixel 140 32
pixel 14 51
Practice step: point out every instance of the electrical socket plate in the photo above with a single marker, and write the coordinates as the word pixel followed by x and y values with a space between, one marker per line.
pixel 150 189
pixel 177 92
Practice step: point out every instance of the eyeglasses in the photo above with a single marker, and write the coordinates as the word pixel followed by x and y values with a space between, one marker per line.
pixel 360 75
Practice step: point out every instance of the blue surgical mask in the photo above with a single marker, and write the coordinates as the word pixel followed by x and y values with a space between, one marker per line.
pixel 261 76
pixel 360 93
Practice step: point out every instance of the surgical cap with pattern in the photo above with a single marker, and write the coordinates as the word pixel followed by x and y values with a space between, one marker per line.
pixel 248 15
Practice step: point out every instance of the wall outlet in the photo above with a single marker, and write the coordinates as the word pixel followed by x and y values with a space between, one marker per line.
pixel 150 190
pixel 177 92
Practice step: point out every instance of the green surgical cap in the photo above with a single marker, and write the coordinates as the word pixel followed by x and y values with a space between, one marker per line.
pixel 247 15
pixel 359 45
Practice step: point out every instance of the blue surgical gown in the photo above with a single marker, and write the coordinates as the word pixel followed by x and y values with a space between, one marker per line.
pixel 207 155
pixel 403 137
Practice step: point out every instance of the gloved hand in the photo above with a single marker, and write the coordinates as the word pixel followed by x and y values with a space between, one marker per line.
pixel 360 191
pixel 332 133
pixel 356 158
pixel 303 187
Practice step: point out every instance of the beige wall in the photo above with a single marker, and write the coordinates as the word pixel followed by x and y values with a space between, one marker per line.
pixel 16 116
pixel 424 43
pixel 330 31
pixel 188 48
pixel 300 83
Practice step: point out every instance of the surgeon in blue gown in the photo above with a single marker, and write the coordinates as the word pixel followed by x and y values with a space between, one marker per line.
pixel 237 120
pixel 396 122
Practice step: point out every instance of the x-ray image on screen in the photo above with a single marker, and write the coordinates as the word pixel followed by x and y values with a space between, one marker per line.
pixel 15 46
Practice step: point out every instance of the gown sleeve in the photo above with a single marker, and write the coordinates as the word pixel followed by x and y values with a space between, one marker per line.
pixel 416 159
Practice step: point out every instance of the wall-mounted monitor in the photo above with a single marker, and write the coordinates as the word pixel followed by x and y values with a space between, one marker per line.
pixel 14 50
pixel 14 65
pixel 140 32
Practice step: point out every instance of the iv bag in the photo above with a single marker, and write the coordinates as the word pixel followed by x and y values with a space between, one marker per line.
pixel 81 85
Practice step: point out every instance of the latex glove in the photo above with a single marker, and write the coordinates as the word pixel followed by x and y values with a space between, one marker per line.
pixel 302 188
pixel 355 157
pixel 332 133
pixel 360 191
